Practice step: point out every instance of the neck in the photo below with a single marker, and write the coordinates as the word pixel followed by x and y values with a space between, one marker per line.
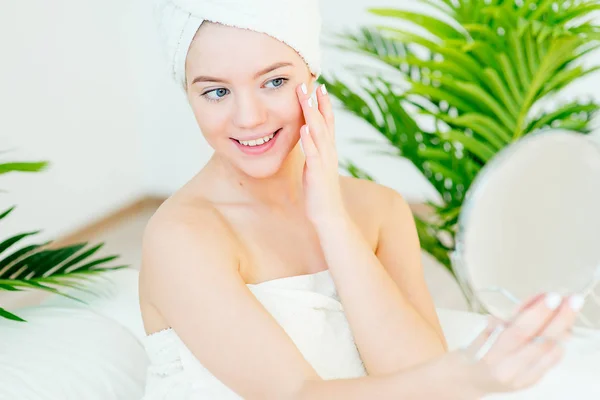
pixel 283 190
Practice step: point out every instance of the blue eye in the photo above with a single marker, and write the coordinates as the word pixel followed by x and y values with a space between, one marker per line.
pixel 221 92
pixel 281 80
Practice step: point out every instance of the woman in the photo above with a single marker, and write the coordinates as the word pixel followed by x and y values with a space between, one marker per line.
pixel 246 268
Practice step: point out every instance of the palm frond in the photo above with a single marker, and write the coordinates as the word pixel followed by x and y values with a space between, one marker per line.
pixel 477 75
pixel 39 267
pixel 356 171
pixel 22 167
pixel 434 25
pixel 431 243
pixel 8 315
pixel 371 42
pixel 574 110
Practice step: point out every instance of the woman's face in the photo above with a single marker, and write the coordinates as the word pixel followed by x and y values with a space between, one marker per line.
pixel 241 86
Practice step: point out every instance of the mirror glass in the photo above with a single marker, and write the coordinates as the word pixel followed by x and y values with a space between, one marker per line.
pixel 531 223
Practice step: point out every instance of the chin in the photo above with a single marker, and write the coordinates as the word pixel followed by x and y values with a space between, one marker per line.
pixel 261 169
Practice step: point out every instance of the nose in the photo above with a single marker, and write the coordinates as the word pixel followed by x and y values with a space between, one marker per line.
pixel 250 111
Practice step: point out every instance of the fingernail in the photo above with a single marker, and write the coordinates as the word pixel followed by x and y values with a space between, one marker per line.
pixel 553 300
pixel 304 89
pixel 310 102
pixel 307 130
pixel 576 302
pixel 323 89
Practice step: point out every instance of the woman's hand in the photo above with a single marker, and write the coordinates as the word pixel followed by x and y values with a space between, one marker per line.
pixel 510 356
pixel 320 178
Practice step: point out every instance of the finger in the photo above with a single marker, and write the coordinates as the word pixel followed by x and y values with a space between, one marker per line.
pixel 482 344
pixel 530 302
pixel 528 323
pixel 538 369
pixel 519 362
pixel 308 145
pixel 560 326
pixel 326 109
pixel 479 347
pixel 313 117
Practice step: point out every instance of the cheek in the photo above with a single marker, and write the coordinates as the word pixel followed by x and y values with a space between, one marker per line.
pixel 289 110
pixel 212 121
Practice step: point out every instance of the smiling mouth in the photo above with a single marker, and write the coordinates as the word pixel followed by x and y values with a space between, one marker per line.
pixel 258 142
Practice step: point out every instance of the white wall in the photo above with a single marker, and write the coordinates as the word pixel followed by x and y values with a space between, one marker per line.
pixel 84 85
pixel 67 96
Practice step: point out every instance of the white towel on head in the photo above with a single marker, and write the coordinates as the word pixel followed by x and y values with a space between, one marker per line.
pixel 294 22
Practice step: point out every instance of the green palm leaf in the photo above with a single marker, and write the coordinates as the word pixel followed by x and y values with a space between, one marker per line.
pixel 434 25
pixel 8 315
pixel 553 118
pixel 22 167
pixel 38 267
pixel 476 75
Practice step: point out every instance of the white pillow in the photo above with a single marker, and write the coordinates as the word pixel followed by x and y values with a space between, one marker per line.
pixel 66 353
pixel 460 327
pixel 113 294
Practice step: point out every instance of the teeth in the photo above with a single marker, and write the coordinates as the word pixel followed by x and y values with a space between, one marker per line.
pixel 257 142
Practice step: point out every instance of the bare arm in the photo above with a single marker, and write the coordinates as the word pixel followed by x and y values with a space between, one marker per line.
pixel 438 380
pixel 191 265
pixel 385 299
pixel 399 250
pixel 389 331
pixel 513 362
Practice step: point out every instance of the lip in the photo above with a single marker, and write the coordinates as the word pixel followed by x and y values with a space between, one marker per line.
pixel 260 149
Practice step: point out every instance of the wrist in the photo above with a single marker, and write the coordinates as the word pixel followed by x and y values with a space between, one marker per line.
pixel 445 372
pixel 463 371
pixel 332 221
pixel 454 376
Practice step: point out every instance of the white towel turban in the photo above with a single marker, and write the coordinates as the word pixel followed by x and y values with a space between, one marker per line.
pixel 294 22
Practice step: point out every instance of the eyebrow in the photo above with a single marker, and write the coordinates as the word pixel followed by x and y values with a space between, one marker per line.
pixel 258 74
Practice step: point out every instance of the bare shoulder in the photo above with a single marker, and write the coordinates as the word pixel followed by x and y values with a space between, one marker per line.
pixel 181 231
pixel 182 216
pixel 371 198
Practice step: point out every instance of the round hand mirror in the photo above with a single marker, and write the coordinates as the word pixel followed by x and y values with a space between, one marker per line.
pixel 531 223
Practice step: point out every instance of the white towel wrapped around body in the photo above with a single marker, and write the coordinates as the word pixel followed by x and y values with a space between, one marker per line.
pixel 307 307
